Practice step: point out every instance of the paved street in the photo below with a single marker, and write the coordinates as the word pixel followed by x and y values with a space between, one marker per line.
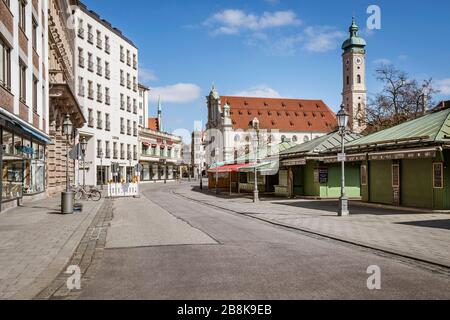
pixel 177 248
pixel 36 242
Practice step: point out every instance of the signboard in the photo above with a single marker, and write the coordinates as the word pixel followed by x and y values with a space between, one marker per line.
pixel 323 175
pixel 293 162
pixel 403 155
pixel 341 157
pixel 348 158
pixel 438 177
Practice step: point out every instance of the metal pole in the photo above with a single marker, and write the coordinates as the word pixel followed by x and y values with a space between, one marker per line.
pixel 84 170
pixel 101 169
pixel 255 191
pixel 343 205
pixel 67 164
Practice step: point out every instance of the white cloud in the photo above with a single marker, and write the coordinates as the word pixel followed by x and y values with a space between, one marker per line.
pixel 382 61
pixel 322 38
pixel 259 91
pixel 146 75
pixel 233 21
pixel 177 93
pixel 443 86
pixel 403 57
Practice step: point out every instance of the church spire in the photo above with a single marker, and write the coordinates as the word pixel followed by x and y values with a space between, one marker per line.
pixel 160 127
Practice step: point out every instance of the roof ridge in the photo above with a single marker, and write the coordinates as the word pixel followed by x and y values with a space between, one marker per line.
pixel 443 122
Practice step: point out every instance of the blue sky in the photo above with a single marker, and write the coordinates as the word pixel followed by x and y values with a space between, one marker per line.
pixel 272 47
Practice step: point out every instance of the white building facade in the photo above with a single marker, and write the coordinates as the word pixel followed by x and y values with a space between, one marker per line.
pixel 228 130
pixel 107 89
pixel 198 160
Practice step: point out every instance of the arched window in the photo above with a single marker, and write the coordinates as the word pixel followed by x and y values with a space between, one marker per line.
pixel 237 138
pixel 294 139
pixel 305 139
pixel 358 78
pixel 283 138
pixel 359 107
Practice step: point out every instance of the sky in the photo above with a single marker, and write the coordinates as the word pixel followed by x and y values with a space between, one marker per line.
pixel 272 48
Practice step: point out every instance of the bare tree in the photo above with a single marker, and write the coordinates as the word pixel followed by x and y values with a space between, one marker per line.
pixel 400 100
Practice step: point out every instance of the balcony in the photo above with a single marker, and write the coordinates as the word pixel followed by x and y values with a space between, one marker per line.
pixel 99 124
pixel 107 48
pixel 129 131
pixel 91 94
pixel 108 154
pixel 99 70
pixel 81 90
pixel 108 100
pixel 91 122
pixel 80 61
pixel 81 33
pixel 108 126
pixel 90 38
pixel 99 43
pixel 122 57
pixel 91 66
pixel 99 97
pixel 107 74
pixel 99 153
pixel 122 105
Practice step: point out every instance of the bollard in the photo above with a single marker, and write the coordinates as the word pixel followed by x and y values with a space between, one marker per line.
pixel 67 202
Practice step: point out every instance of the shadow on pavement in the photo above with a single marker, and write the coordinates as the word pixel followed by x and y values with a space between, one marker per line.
pixel 436 224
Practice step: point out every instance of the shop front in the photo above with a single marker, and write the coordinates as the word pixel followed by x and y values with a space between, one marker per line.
pixel 22 163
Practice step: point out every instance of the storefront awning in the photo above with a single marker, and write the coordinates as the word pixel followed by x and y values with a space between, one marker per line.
pixel 266 168
pixel 228 168
pixel 24 128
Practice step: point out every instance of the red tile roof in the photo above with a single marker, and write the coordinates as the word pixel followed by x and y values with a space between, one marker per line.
pixel 286 115
pixel 153 124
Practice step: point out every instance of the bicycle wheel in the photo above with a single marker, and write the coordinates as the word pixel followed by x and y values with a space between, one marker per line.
pixel 78 195
pixel 96 195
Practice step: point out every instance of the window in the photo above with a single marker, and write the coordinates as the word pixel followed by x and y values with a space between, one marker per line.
pixel 364 175
pixel 294 138
pixel 305 139
pixel 141 120
pixel 438 175
pixel 23 81
pixel 22 14
pixel 5 65
pixel 34 35
pixel 348 80
pixel 395 176
pixel 90 35
pixel 35 95
pixel 358 78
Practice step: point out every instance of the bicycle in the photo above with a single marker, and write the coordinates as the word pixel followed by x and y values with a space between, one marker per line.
pixel 93 194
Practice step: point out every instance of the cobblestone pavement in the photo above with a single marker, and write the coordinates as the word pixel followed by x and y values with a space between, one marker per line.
pixel 87 256
pixel 421 236
pixel 35 244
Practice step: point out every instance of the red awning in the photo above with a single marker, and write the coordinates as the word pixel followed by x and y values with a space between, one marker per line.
pixel 229 168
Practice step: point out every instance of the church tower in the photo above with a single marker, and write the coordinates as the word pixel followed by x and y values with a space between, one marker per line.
pixel 354 79
pixel 213 102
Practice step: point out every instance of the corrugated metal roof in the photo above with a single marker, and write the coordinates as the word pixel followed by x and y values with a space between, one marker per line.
pixel 329 141
pixel 432 127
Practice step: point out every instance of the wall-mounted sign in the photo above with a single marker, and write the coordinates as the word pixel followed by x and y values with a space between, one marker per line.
pixel 321 175
pixel 293 162
pixel 348 158
pixel 403 155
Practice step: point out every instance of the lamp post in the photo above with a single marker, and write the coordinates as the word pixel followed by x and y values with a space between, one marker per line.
pixel 83 151
pixel 255 126
pixel 343 117
pixel 67 196
pixel 101 168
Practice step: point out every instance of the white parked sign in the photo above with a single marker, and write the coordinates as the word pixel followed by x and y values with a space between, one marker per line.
pixel 341 157
pixel 123 190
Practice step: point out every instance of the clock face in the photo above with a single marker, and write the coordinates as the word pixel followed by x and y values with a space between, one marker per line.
pixel 359 61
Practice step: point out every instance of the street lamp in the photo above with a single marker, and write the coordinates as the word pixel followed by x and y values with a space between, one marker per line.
pixel 101 168
pixel 255 126
pixel 67 196
pixel 83 151
pixel 343 117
